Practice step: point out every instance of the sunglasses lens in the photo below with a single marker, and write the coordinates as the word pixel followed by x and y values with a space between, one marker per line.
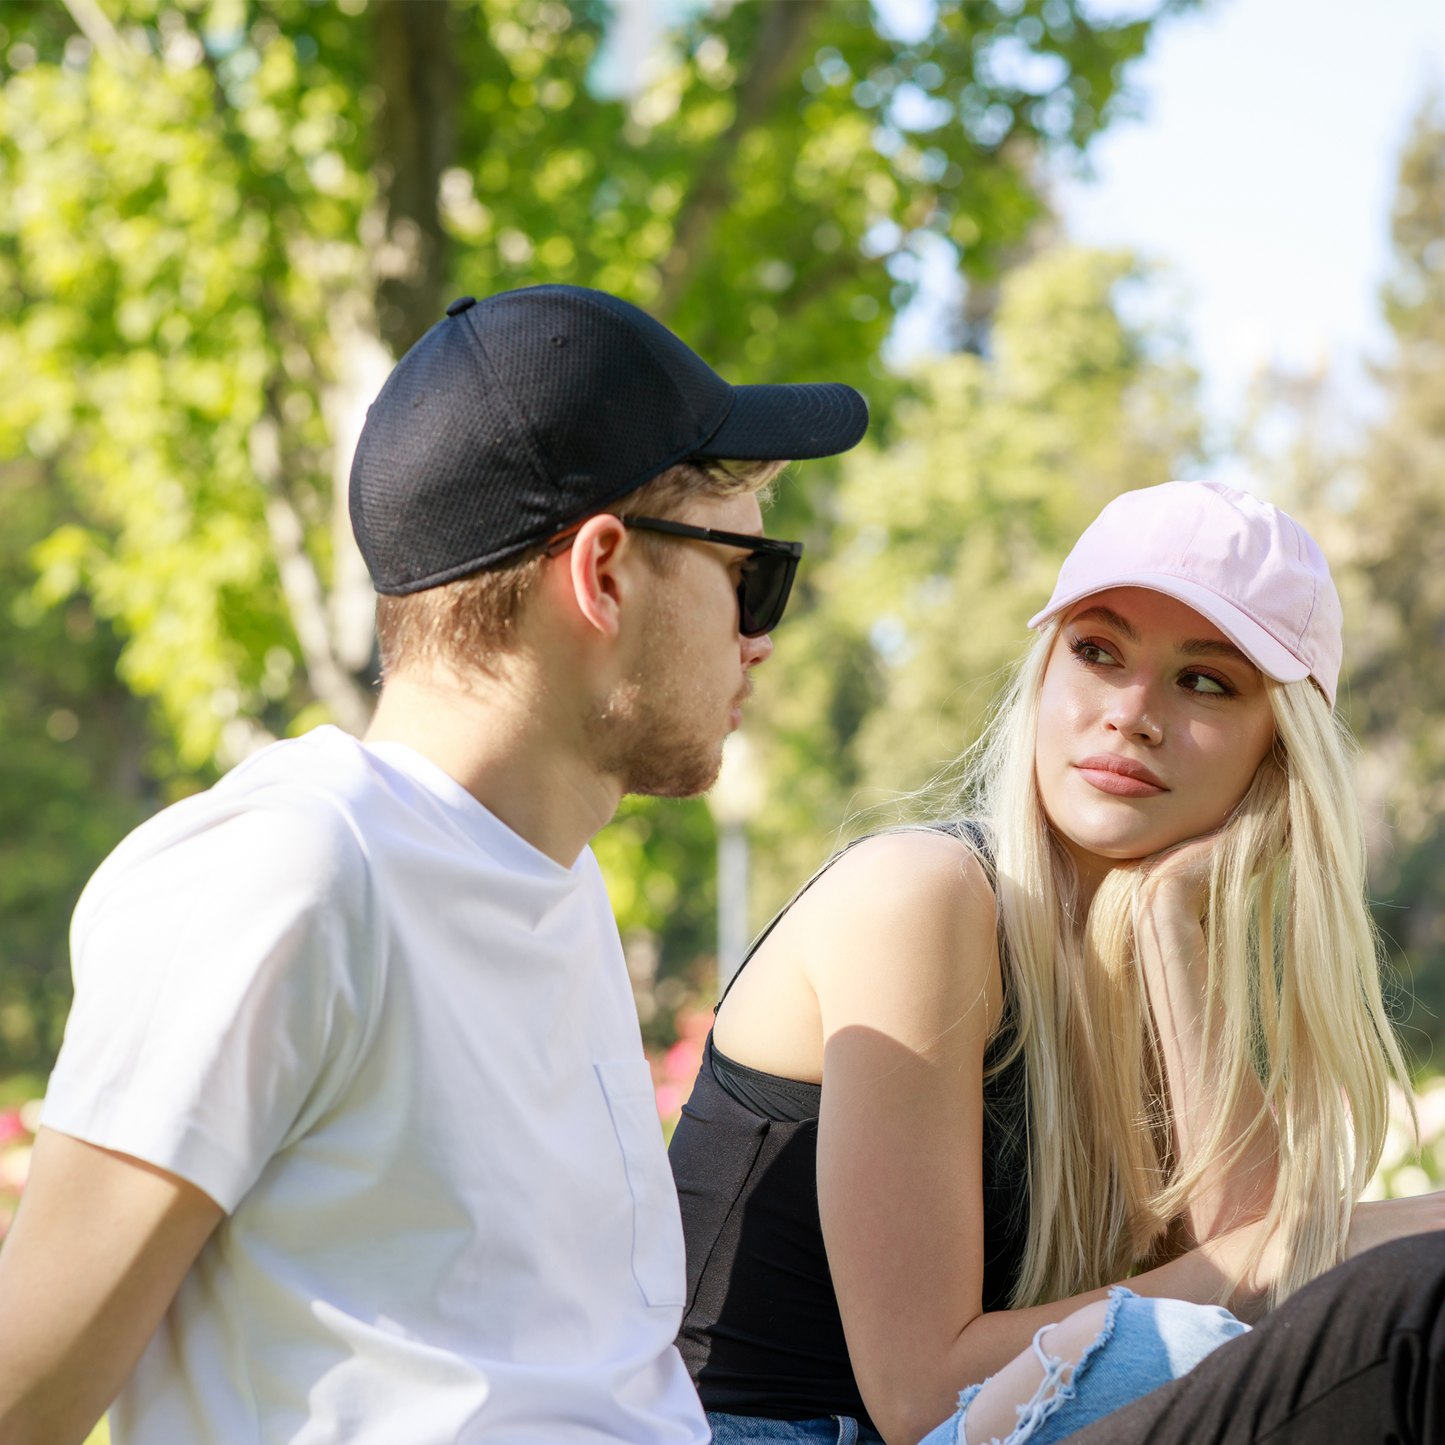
pixel 763 592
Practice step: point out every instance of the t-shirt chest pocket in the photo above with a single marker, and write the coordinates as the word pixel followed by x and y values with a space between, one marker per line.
pixel 658 1262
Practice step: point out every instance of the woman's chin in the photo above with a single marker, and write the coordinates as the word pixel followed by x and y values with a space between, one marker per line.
pixel 1118 844
pixel 1118 829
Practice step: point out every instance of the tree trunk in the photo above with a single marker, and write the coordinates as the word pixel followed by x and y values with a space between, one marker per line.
pixel 783 34
pixel 349 705
pixel 415 132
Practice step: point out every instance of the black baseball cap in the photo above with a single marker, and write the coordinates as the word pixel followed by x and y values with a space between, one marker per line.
pixel 517 415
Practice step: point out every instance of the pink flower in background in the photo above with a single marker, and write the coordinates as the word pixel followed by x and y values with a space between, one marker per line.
pixel 683 1060
pixel 17 1134
pixel 674 1073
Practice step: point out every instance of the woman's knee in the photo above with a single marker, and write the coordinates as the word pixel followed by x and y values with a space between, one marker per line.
pixel 1034 1375
pixel 1094 1361
pixel 1073 1334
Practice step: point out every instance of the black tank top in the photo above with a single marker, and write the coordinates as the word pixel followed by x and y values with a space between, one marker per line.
pixel 761 1333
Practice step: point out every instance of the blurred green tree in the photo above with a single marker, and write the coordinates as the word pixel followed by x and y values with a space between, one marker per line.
pixel 72 773
pixel 220 219
pixel 1397 682
pixel 1377 506
pixel 207 212
pixel 1396 651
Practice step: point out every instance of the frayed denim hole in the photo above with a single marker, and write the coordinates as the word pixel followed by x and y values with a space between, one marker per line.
pixel 1117 1295
pixel 965 1399
pixel 966 1396
pixel 1043 1405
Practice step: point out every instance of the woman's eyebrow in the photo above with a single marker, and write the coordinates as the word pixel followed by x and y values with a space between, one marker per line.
pixel 1111 618
pixel 1208 647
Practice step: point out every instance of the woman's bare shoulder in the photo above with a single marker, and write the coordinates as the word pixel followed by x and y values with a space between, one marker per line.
pixel 891 873
pixel 907 911
pixel 899 933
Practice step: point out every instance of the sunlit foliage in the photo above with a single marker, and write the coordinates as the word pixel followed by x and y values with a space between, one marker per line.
pixel 1377 503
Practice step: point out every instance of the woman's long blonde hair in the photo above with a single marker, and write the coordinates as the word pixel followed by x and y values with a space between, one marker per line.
pixel 1293 973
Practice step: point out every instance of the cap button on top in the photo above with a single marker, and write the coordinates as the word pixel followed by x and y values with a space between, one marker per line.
pixel 462 303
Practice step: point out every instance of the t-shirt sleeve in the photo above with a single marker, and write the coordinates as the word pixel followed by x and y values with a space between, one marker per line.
pixel 227 979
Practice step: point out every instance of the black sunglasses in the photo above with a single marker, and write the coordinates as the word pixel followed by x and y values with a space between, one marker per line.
pixel 768 569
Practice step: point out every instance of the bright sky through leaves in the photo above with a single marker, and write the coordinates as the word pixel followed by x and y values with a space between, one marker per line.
pixel 1262 172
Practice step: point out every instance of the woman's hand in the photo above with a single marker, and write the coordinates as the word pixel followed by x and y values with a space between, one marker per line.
pixel 1378 1221
pixel 1179 877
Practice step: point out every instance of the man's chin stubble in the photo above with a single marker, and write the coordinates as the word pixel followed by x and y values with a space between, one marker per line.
pixel 649 752
pixel 656 762
pixel 679 776
pixel 649 756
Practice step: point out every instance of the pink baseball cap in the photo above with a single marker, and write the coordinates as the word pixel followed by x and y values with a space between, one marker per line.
pixel 1255 573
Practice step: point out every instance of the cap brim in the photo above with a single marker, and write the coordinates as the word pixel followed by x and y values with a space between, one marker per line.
pixel 1270 657
pixel 786 423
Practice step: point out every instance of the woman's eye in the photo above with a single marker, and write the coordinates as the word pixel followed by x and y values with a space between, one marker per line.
pixel 1201 682
pixel 1086 650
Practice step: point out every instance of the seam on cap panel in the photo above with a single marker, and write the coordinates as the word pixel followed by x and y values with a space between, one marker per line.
pixel 662 366
pixel 534 454
pixel 642 337
pixel 1198 523
pixel 1315 593
pixel 732 402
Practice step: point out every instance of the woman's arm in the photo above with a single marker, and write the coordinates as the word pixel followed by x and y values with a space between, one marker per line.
pixel 1175 963
pixel 896 947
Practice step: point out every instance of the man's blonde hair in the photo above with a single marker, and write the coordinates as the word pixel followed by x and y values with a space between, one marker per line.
pixel 465 624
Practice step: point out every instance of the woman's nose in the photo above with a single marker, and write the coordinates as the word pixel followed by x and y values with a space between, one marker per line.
pixel 1132 717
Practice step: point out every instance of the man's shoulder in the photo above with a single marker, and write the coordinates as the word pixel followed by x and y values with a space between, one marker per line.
pixel 293 812
pixel 324 782
pixel 326 766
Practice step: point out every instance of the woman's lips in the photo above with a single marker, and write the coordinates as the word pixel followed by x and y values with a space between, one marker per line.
pixel 1120 776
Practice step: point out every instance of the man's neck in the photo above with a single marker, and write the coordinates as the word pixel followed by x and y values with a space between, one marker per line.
pixel 495 737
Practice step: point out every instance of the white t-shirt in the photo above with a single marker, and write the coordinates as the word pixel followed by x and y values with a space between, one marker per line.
pixel 397 1045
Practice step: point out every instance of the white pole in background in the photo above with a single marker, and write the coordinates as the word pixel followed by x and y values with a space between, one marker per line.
pixel 732 901
pixel 735 800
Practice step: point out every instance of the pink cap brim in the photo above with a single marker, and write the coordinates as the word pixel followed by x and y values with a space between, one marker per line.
pixel 1270 656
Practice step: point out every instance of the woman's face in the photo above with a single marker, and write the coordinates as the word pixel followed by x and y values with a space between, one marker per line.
pixel 1151 726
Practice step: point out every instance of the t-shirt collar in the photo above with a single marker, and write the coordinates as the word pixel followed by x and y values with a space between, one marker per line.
pixel 474 818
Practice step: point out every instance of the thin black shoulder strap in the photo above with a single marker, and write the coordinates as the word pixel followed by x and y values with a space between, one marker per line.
pixel 967 830
pixel 964 829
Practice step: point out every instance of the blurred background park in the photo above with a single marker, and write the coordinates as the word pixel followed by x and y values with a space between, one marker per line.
pixel 1066 248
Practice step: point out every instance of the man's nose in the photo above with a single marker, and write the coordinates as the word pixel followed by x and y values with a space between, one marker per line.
pixel 756 650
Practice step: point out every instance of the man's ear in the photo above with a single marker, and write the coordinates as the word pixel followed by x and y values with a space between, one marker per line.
pixel 595 560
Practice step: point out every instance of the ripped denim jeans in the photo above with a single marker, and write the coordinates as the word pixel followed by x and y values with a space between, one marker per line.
pixel 1143 1344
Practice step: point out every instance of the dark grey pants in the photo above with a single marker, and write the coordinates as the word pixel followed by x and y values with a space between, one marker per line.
pixel 1356 1358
